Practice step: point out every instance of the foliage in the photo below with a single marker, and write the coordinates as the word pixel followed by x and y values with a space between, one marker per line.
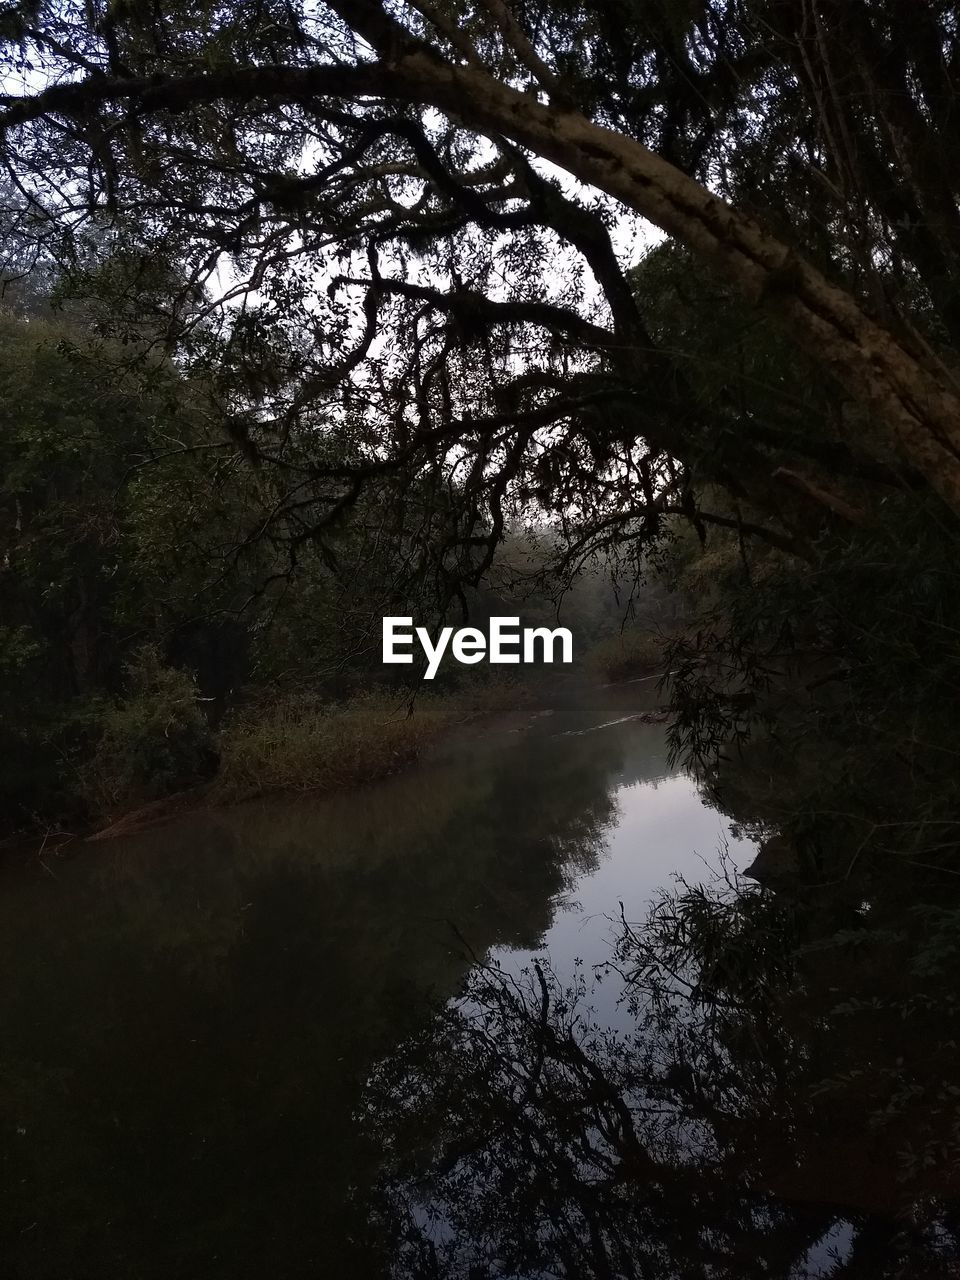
pixel 345 293
pixel 301 744
pixel 630 652
pixel 425 206
pixel 314 253
pixel 838 683
pixel 156 741
pixel 126 514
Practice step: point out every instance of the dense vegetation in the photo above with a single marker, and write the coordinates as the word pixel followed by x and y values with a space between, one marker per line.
pixel 347 292
pixel 157 628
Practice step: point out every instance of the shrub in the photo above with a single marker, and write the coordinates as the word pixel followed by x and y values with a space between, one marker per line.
pixel 310 746
pixel 629 653
pixel 156 741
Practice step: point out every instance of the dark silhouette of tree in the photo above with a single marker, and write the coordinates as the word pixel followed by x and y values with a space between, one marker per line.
pixel 376 187
pixel 738 1122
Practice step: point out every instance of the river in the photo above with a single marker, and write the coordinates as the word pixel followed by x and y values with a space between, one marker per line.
pixel 207 1027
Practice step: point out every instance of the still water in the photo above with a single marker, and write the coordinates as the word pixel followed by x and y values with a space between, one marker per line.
pixel 218 1037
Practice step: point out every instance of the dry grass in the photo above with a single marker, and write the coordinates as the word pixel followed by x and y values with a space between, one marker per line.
pixel 308 746
pixel 629 653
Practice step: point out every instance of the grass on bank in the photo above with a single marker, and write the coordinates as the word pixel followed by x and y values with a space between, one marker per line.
pixel 309 746
pixel 631 652
pixel 155 746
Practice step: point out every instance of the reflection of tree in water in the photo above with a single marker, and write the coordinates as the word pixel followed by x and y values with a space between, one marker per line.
pixel 188 1017
pixel 749 1125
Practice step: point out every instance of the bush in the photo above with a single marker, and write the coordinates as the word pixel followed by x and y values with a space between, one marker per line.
pixel 311 746
pixel 629 653
pixel 155 742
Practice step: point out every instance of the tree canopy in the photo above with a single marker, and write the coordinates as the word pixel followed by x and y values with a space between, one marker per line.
pixel 420 216
pixel 311 310
pixel 406 256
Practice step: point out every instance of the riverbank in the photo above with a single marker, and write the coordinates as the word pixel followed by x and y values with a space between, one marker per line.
pixel 632 652
pixel 299 746
pixel 304 745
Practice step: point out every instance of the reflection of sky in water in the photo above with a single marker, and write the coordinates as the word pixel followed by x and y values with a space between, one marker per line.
pixel 662 828
pixel 263 960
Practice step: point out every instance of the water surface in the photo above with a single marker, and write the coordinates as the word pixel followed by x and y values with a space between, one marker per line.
pixel 192 1017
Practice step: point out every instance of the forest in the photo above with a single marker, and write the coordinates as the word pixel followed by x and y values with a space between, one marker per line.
pixel 156 614
pixel 636 317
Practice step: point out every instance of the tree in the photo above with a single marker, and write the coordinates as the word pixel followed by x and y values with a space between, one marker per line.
pixel 141 565
pixel 746 1116
pixel 418 146
pixel 388 243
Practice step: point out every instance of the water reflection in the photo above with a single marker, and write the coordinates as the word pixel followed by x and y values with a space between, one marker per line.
pixel 756 1114
pixel 189 1016
pixel 297 1040
pixel 660 826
